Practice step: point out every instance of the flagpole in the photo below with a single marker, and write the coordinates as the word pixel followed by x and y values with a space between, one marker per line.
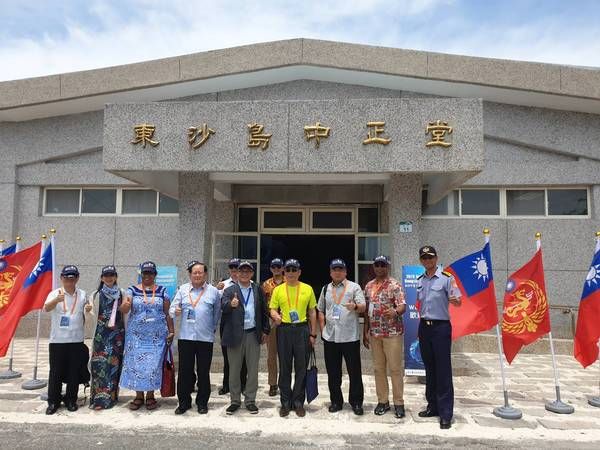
pixel 35 383
pixel 10 373
pixel 506 411
pixel 595 401
pixel 556 406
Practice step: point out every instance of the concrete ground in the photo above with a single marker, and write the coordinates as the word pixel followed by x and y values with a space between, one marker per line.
pixel 477 392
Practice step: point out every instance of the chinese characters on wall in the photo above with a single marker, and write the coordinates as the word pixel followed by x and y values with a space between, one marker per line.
pixel 437 134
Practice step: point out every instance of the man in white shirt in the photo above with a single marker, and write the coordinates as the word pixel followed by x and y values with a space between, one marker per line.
pixel 67 306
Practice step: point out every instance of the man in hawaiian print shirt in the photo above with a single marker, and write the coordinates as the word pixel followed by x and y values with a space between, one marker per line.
pixel 383 333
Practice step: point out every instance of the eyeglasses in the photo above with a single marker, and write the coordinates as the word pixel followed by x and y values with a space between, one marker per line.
pixel 291 269
pixel 276 266
pixel 380 265
pixel 233 267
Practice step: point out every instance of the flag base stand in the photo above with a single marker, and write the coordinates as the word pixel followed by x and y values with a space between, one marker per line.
pixel 594 401
pixel 44 396
pixel 9 374
pixel 508 412
pixel 31 385
pixel 559 407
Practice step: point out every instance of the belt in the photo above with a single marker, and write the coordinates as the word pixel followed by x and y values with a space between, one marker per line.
pixel 250 330
pixel 299 324
pixel 430 322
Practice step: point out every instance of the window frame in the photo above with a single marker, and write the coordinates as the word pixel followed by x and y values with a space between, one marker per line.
pixel 118 204
pixel 503 214
pixel 353 220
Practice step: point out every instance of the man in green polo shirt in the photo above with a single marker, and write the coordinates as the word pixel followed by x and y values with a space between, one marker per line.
pixel 293 309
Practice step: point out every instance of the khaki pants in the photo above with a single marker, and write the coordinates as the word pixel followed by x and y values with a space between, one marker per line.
pixel 388 354
pixel 272 355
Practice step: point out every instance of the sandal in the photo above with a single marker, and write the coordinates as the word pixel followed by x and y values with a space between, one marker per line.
pixel 151 403
pixel 136 403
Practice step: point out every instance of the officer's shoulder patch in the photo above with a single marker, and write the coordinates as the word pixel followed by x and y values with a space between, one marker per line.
pixel 448 274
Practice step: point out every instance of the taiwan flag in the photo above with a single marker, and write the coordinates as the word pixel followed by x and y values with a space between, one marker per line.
pixel 526 313
pixel 587 332
pixel 35 287
pixel 478 310
pixel 13 270
pixel 8 250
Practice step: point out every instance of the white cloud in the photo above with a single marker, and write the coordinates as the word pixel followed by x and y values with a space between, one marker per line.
pixel 150 30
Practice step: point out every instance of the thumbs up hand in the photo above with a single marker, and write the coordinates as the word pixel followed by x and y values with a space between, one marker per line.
pixel 235 302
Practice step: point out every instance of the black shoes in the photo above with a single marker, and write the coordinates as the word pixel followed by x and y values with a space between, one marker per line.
pixel 252 408
pixel 272 391
pixel 428 413
pixel 358 410
pixel 224 390
pixel 72 406
pixel 232 408
pixel 180 410
pixel 381 409
pixel 399 411
pixel 202 409
pixel 51 409
pixel 335 407
pixel 445 424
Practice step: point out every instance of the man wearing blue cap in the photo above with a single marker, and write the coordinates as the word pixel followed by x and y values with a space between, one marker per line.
pixel 268 286
pixel 340 304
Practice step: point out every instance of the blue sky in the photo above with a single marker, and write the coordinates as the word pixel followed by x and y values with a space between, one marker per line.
pixel 47 37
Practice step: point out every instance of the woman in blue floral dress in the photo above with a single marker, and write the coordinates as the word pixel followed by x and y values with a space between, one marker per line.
pixel 107 346
pixel 149 331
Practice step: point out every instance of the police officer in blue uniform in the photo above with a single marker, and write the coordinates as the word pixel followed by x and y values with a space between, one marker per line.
pixel 435 290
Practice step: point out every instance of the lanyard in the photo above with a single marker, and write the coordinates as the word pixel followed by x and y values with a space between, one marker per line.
pixel 60 291
pixel 337 299
pixel 288 296
pixel 195 302
pixel 247 299
pixel 146 298
pixel 374 295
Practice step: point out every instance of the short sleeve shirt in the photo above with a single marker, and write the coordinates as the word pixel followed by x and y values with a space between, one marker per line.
pixel 381 297
pixel 268 287
pixel 69 329
pixel 341 325
pixel 433 294
pixel 299 298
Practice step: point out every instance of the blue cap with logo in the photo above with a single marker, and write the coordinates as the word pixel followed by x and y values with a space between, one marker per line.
pixel 69 272
pixel 233 263
pixel 382 259
pixel 292 263
pixel 246 264
pixel 276 262
pixel 148 267
pixel 109 271
pixel 337 263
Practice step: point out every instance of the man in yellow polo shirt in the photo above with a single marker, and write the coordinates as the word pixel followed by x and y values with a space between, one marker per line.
pixel 293 309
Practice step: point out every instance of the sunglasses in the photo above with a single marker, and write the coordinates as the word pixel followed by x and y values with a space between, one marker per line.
pixel 291 269
pixel 427 257
pixel 276 266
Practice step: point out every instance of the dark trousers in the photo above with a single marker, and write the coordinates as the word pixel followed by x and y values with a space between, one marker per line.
pixel 192 353
pixel 243 372
pixel 350 352
pixel 293 351
pixel 435 341
pixel 65 362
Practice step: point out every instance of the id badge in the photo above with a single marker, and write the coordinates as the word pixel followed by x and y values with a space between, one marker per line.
pixel 191 316
pixel 336 313
pixel 65 321
pixel 294 317
pixel 371 309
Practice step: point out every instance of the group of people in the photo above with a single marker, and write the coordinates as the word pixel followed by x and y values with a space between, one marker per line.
pixel 135 328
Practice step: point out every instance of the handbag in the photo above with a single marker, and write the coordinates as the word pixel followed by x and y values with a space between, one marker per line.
pixel 167 386
pixel 312 385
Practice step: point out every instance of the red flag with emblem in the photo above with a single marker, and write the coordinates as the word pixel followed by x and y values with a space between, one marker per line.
pixel 11 267
pixel 526 314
